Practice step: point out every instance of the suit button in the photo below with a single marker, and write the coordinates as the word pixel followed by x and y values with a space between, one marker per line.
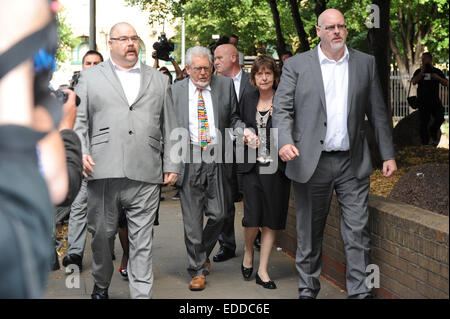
pixel 131 108
pixel 130 132
pixel 321 141
pixel 325 124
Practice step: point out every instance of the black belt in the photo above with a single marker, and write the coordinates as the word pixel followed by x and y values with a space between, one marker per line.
pixel 334 152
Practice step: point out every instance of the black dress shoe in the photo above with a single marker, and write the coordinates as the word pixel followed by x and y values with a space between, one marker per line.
pixel 223 254
pixel 73 259
pixel 99 293
pixel 306 297
pixel 266 284
pixel 246 272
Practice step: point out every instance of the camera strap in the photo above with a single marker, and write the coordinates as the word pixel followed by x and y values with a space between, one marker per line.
pixel 41 47
pixel 23 50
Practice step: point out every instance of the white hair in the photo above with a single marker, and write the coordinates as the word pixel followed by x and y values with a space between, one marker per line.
pixel 197 51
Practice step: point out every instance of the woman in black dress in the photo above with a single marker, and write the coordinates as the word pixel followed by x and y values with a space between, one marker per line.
pixel 266 196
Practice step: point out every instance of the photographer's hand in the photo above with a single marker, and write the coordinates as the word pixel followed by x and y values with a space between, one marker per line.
pixel 178 72
pixel 156 61
pixel 69 112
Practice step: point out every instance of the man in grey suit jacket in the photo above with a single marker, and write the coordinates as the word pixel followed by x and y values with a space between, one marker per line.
pixel 203 182
pixel 226 62
pixel 125 116
pixel 319 110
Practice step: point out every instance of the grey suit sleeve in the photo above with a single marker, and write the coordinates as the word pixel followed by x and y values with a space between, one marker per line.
pixel 169 122
pixel 82 121
pixel 72 146
pixel 378 116
pixel 283 105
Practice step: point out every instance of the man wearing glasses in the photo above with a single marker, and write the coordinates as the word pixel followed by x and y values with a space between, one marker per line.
pixel 125 113
pixel 206 106
pixel 319 110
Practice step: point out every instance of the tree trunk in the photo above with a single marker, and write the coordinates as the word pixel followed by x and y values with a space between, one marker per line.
pixel 281 44
pixel 378 37
pixel 304 44
pixel 412 32
pixel 321 6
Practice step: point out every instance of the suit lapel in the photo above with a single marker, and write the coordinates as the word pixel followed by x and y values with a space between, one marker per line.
pixel 111 76
pixel 185 103
pixel 316 73
pixel 244 82
pixel 146 76
pixel 215 101
pixel 352 69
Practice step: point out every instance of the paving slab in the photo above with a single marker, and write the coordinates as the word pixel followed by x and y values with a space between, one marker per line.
pixel 171 279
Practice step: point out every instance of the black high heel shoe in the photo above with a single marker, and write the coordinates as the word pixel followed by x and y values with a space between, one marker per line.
pixel 246 272
pixel 266 284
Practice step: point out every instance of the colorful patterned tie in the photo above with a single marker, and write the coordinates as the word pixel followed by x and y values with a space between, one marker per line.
pixel 203 125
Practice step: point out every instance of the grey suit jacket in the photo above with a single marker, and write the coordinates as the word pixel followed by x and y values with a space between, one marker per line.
pixel 300 113
pixel 245 84
pixel 224 105
pixel 126 140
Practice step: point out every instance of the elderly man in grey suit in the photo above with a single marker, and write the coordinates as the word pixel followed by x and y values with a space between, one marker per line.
pixel 319 110
pixel 125 116
pixel 206 105
pixel 226 62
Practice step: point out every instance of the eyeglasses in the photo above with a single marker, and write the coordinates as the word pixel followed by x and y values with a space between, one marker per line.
pixel 133 39
pixel 331 28
pixel 200 68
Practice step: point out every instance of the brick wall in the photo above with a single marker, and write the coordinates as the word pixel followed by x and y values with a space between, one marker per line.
pixel 409 244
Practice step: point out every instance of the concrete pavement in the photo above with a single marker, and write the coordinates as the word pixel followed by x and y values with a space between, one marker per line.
pixel 171 279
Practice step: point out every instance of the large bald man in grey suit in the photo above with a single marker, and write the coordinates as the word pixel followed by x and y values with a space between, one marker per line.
pixel 319 110
pixel 125 116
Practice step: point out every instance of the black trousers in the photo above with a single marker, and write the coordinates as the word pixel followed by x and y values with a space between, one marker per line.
pixel 428 129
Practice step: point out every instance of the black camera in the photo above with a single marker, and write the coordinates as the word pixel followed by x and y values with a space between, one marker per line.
pixel 163 48
pixel 74 81
pixel 63 96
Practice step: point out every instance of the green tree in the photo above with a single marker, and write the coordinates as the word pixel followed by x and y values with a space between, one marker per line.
pixel 416 26
pixel 65 39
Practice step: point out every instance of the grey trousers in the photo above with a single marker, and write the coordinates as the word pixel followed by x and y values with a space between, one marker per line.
pixel 312 204
pixel 202 195
pixel 227 238
pixel 77 222
pixel 139 201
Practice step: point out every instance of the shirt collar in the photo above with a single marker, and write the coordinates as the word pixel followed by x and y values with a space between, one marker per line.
pixel 193 88
pixel 323 58
pixel 135 68
pixel 238 76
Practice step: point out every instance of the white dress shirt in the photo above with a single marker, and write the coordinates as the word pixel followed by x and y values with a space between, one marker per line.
pixel 193 112
pixel 237 83
pixel 130 80
pixel 335 83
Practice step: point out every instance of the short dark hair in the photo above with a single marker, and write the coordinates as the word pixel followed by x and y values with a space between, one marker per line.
pixel 265 61
pixel 428 54
pixel 92 52
pixel 234 36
